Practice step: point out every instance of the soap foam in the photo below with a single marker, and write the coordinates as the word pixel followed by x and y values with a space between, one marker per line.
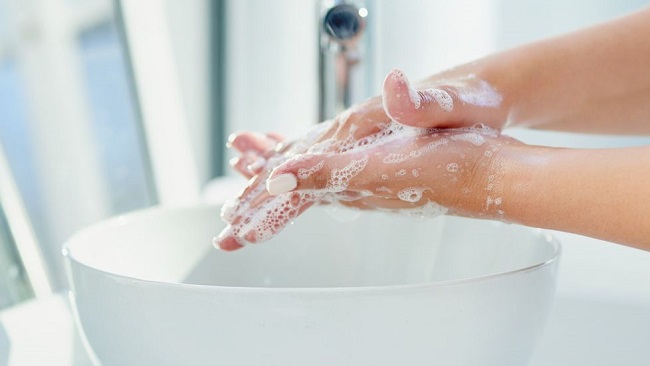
pixel 428 148
pixel 340 178
pixel 471 137
pixel 411 194
pixel 228 210
pixel 444 100
pixel 306 173
pixel 415 97
pixel 452 167
pixel 275 214
pixel 393 158
pixel 479 93
pixel 258 215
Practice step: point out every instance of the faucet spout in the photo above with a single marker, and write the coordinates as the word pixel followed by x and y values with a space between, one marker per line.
pixel 343 61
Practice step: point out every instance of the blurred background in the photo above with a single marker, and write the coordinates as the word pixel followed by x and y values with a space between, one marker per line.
pixel 111 106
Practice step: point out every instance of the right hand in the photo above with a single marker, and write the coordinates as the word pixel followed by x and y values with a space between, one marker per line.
pixel 451 102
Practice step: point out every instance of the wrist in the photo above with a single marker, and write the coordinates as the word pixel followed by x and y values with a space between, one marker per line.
pixel 504 74
pixel 512 74
pixel 500 177
pixel 508 183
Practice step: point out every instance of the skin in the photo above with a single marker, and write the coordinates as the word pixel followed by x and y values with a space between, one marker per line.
pixel 593 81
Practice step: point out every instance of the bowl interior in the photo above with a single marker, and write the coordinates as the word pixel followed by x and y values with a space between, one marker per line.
pixel 376 249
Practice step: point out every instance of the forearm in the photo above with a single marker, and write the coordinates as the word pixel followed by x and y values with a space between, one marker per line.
pixel 593 80
pixel 599 193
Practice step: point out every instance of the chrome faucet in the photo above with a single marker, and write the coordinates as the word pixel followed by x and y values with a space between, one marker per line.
pixel 344 66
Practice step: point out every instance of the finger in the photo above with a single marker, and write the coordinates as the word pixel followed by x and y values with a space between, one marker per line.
pixel 311 140
pixel 226 241
pixel 275 136
pixel 256 166
pixel 248 165
pixel 419 108
pixel 357 170
pixel 319 137
pixel 329 172
pixel 240 165
pixel 458 103
pixel 267 223
pixel 251 142
pixel 396 162
pixel 362 120
pixel 260 223
pixel 254 188
pixel 258 216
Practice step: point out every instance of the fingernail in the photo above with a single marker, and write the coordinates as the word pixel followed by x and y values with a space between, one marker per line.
pixel 251 236
pixel 233 161
pixel 256 165
pixel 400 80
pixel 231 138
pixel 228 210
pixel 397 73
pixel 281 184
pixel 440 96
pixel 226 243
pixel 225 239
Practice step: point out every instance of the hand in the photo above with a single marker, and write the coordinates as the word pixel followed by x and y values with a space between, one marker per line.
pixel 407 170
pixel 260 154
pixel 435 104
pixel 414 171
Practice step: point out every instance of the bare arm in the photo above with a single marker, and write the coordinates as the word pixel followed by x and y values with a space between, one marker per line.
pixel 598 193
pixel 593 80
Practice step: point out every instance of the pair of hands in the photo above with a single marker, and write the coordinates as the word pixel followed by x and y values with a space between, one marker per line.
pixel 425 150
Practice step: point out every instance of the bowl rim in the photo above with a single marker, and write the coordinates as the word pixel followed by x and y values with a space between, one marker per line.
pixel 123 219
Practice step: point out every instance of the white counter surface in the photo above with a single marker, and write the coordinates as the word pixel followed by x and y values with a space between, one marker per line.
pixel 601 315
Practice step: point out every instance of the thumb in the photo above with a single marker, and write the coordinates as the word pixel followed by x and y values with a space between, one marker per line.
pixel 459 103
pixel 329 172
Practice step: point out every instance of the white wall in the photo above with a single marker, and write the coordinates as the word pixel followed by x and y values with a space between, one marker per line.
pixel 271 65
pixel 189 31
pixel 422 37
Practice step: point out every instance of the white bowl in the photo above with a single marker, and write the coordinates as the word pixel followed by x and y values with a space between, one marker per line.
pixel 149 289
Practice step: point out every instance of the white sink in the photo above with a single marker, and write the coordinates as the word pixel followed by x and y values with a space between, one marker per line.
pixel 383 290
